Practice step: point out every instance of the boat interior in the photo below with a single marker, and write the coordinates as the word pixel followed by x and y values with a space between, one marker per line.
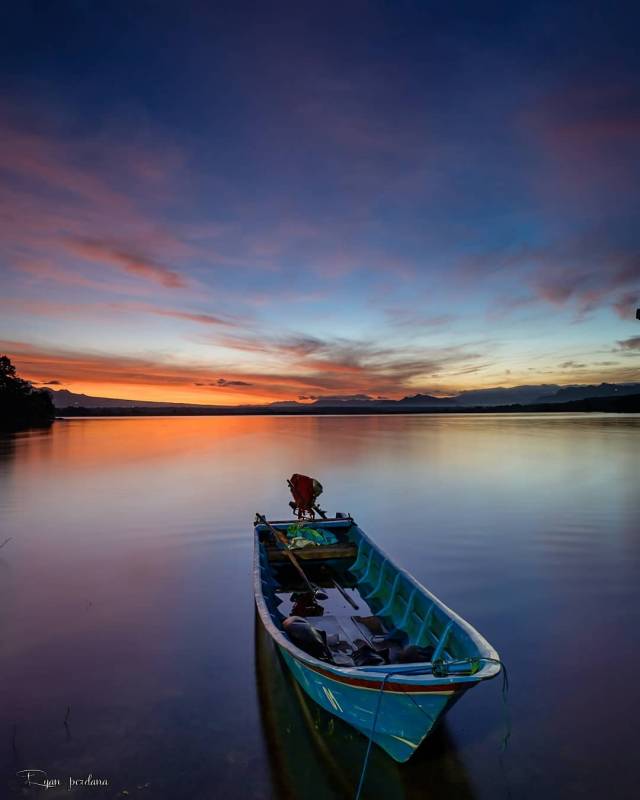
pixel 366 611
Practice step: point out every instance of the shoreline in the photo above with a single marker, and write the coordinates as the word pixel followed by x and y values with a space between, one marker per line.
pixel 629 404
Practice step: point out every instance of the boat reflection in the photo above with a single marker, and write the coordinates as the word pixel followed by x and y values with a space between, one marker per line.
pixel 314 755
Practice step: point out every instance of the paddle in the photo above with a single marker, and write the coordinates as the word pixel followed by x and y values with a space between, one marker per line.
pixel 343 593
pixel 280 537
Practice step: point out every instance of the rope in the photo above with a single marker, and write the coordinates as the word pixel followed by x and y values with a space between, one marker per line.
pixel 505 703
pixel 442 667
pixel 386 675
pixel 365 763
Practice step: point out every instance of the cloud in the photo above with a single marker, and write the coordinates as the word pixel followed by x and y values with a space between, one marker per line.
pixel 586 137
pixel 44 269
pixel 363 366
pixel 189 316
pixel 52 383
pixel 335 367
pixel 589 271
pixel 571 365
pixel 626 304
pixel 79 310
pixel 630 344
pixel 62 196
pixel 130 261
pixel 224 382
pixel 33 158
pixel 585 278
pixel 205 319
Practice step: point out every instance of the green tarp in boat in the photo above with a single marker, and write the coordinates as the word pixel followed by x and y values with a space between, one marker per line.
pixel 303 536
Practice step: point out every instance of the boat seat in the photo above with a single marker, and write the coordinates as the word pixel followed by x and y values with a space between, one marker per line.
pixel 313 553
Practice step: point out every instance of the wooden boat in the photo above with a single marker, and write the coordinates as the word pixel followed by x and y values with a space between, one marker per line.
pixel 420 657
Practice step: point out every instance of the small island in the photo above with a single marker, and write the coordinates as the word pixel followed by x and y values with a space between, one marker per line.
pixel 21 405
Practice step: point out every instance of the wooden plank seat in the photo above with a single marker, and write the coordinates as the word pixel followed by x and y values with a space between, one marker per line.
pixel 315 553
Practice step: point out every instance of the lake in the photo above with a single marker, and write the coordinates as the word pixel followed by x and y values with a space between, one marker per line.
pixel 129 645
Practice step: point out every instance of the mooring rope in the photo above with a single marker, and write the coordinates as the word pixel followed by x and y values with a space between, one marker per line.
pixel 443 666
pixel 365 763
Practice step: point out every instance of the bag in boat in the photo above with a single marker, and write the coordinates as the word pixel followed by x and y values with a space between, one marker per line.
pixel 306 637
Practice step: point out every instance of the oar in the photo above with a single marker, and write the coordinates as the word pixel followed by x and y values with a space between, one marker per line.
pixel 315 591
pixel 344 594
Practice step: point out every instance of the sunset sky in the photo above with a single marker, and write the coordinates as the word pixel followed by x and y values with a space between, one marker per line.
pixel 228 202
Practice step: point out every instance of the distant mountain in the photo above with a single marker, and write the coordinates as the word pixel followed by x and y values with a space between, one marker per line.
pixel 347 400
pixel 333 400
pixel 505 395
pixel 62 398
pixel 496 397
pixel 568 393
pixel 523 395
pixel 629 403
pixel 427 400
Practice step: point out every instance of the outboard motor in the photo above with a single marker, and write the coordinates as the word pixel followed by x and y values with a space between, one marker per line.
pixel 305 491
pixel 306 637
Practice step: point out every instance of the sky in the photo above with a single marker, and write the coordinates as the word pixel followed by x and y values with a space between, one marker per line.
pixel 213 202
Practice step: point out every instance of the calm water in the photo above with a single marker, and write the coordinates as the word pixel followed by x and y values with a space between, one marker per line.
pixel 126 598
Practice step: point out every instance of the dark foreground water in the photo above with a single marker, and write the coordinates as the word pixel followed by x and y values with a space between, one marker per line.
pixel 126 604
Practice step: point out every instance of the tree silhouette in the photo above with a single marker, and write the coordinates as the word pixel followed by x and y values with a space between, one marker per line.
pixel 7 371
pixel 22 406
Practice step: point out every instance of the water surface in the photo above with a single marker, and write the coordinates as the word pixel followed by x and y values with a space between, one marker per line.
pixel 126 604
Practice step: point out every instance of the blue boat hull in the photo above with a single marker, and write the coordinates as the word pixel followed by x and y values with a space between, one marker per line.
pixel 404 718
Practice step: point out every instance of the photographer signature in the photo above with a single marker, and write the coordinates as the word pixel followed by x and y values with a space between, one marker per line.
pixel 39 778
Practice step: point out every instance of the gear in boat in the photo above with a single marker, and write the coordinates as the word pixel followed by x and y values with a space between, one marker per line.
pixel 339 638
pixel 330 641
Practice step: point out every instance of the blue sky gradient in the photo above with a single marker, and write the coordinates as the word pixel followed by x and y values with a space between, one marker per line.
pixel 223 203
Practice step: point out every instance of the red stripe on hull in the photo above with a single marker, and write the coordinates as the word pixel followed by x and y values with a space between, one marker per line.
pixel 390 686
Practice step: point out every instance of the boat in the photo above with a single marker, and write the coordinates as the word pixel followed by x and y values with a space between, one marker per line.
pixel 361 636
pixel 314 755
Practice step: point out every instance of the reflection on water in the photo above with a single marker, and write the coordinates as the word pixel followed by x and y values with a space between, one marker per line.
pixel 125 596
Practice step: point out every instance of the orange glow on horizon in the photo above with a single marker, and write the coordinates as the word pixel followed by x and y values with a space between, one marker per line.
pixel 138 379
pixel 205 396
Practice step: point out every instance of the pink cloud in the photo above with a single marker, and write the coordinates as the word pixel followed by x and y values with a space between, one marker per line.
pixel 190 316
pixel 34 158
pixel 586 274
pixel 129 261
pixel 586 137
pixel 587 271
pixel 82 310
pixel 60 196
pixel 43 270
pixel 626 304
